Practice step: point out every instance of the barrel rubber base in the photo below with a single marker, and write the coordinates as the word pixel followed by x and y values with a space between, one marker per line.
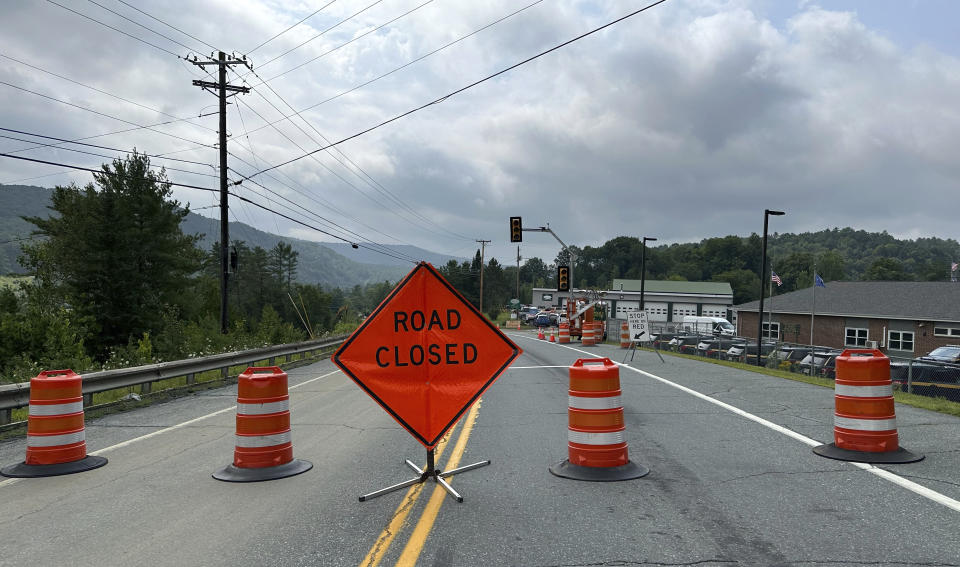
pixel 628 471
pixel 231 473
pixel 899 456
pixel 23 470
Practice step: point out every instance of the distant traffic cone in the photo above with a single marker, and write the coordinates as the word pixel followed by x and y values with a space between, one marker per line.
pixel 553 339
pixel 865 423
pixel 597 450
pixel 264 450
pixel 540 333
pixel 56 438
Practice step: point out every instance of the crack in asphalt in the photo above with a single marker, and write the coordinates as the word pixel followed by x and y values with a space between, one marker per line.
pixel 623 562
pixel 767 473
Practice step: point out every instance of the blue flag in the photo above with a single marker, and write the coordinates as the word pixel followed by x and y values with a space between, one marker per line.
pixel 818 281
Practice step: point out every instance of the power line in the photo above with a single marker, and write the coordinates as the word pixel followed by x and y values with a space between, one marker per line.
pixel 98 113
pixel 106 156
pixel 343 21
pixel 68 79
pixel 141 40
pixel 168 38
pixel 407 64
pixel 102 172
pixel 312 14
pixel 211 190
pixel 159 156
pixel 370 181
pixel 364 34
pixel 460 90
pixel 168 25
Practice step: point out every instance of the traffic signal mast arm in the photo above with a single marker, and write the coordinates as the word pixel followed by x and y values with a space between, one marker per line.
pixel 565 247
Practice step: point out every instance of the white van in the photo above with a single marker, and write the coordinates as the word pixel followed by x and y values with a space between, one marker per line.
pixel 716 325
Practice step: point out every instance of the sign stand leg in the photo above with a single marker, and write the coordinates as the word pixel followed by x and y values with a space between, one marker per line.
pixel 431 471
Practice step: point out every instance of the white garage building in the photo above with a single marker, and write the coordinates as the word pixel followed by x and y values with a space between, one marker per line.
pixel 664 301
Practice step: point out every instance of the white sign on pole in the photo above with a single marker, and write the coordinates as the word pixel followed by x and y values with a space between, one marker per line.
pixel 639 329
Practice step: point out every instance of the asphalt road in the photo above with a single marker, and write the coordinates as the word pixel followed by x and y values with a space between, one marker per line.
pixel 730 484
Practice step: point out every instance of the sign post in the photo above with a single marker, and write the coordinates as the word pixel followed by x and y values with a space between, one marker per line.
pixel 426 355
pixel 639 332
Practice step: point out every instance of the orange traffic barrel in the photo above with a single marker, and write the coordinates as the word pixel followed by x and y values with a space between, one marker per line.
pixel 586 334
pixel 264 450
pixel 563 336
pixel 624 335
pixel 56 438
pixel 596 445
pixel 864 422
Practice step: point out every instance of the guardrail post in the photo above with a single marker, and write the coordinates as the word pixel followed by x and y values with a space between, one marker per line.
pixel 273 361
pixel 191 379
pixel 145 388
pixel 88 399
pixel 225 373
pixel 6 416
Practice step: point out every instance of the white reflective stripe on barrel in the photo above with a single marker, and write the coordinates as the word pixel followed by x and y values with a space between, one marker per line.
pixel 584 438
pixel 864 391
pixel 865 424
pixel 265 408
pixel 248 441
pixel 55 440
pixel 607 402
pixel 56 409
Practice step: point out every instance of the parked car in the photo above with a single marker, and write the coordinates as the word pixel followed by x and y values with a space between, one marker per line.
pixel 735 353
pixel 814 363
pixel 528 314
pixel 544 319
pixel 934 374
pixel 717 346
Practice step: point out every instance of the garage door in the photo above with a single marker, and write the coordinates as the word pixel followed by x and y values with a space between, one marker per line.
pixel 680 310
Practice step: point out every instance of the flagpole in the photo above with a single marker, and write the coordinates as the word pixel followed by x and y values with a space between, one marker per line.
pixel 770 313
pixel 813 308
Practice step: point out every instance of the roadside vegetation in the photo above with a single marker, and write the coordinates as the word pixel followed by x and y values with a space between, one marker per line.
pixel 113 282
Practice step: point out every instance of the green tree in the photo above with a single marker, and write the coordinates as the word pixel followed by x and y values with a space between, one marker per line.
pixel 115 253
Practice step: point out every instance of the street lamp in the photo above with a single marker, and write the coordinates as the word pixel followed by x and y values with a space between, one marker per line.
pixel 763 271
pixel 643 267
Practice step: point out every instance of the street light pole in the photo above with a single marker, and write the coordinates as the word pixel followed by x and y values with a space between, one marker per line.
pixel 763 271
pixel 643 268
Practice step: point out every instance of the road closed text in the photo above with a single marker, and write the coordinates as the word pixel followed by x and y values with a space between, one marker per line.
pixel 433 354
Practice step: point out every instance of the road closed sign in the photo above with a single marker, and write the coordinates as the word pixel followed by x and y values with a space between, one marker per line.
pixel 425 354
pixel 639 329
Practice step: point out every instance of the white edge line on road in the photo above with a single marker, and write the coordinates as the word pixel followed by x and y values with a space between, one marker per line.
pixel 882 473
pixel 177 426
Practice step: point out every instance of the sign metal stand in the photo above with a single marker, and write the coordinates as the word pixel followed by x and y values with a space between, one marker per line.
pixel 638 334
pixel 429 471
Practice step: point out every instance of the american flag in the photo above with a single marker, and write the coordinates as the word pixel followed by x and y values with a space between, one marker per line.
pixel 775 278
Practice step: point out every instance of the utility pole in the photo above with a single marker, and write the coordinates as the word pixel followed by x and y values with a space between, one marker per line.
pixel 220 88
pixel 483 245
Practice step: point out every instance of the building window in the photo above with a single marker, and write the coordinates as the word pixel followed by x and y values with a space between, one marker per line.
pixel 900 340
pixel 946 331
pixel 856 337
pixel 771 331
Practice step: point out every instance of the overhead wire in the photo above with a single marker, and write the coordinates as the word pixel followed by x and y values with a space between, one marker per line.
pixel 368 179
pixel 136 23
pixel 314 13
pixel 169 25
pixel 208 189
pixel 353 39
pixel 106 156
pixel 409 63
pixel 469 86
pixel 141 40
pixel 138 126
pixel 334 26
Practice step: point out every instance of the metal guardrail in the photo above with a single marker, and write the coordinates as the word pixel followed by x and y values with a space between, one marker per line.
pixel 14 396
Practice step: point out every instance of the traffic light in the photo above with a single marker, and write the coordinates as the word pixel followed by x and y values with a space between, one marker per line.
pixel 563 278
pixel 516 230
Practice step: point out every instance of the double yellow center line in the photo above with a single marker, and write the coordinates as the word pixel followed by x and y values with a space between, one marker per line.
pixel 410 553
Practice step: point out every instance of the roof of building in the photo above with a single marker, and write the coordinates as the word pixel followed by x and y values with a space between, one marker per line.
pixel 669 286
pixel 923 301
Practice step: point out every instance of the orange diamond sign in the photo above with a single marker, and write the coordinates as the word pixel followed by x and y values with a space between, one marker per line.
pixel 426 354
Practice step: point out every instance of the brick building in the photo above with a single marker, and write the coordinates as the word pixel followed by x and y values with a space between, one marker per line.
pixel 900 318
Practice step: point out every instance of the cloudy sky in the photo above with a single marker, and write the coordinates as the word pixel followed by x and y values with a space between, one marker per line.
pixel 682 122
